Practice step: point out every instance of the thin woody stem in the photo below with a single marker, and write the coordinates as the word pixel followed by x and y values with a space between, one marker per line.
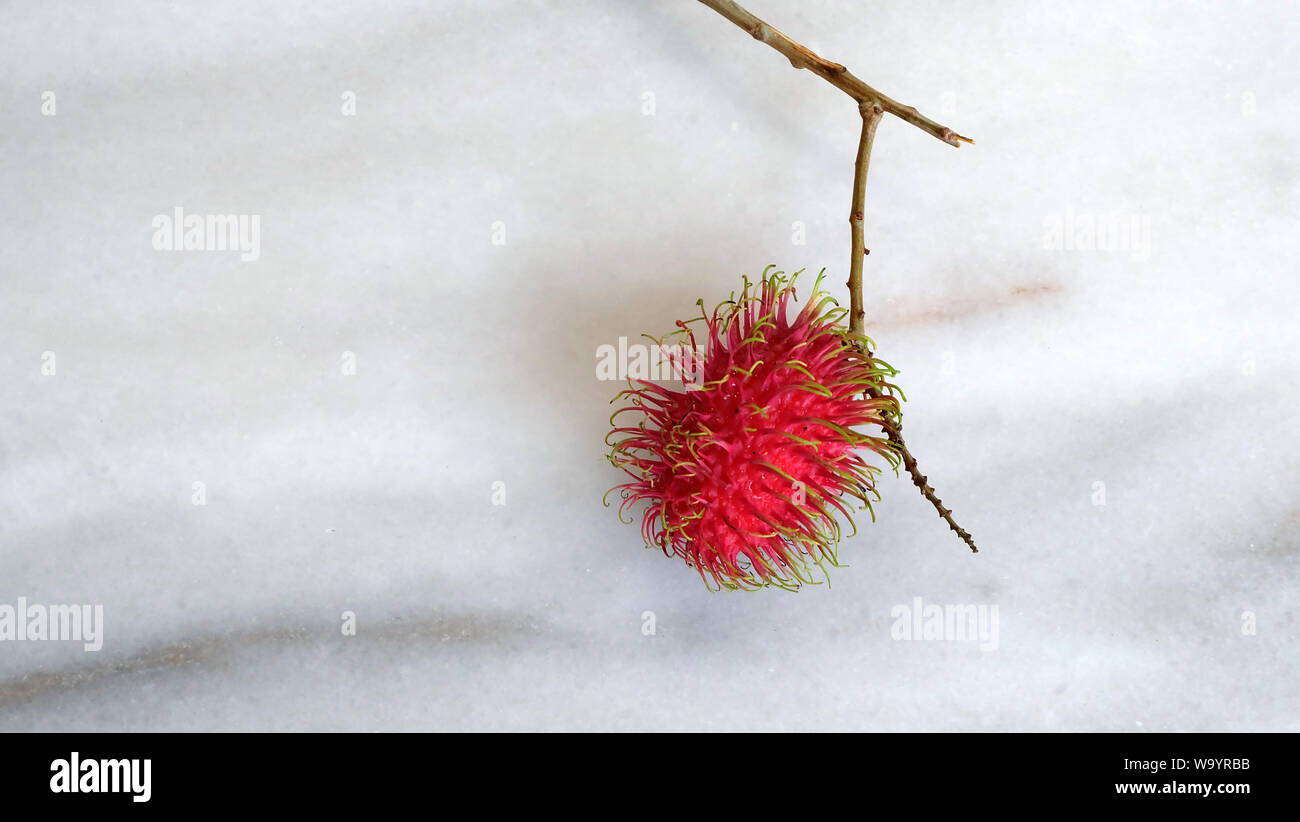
pixel 920 480
pixel 871 116
pixel 802 57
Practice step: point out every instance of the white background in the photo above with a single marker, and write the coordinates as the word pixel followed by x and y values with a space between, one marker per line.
pixel 1167 373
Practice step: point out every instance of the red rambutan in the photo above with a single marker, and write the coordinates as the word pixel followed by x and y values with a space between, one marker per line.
pixel 745 469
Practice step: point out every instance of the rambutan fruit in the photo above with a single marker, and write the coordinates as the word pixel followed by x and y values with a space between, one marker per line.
pixel 745 469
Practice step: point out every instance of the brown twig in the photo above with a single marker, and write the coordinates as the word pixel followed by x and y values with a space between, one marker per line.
pixel 802 57
pixel 871 115
pixel 873 106
pixel 920 481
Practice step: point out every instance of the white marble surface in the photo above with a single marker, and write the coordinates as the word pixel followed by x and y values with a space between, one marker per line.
pixel 1166 371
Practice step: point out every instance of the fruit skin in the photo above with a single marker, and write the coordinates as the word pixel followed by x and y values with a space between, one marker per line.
pixel 744 470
